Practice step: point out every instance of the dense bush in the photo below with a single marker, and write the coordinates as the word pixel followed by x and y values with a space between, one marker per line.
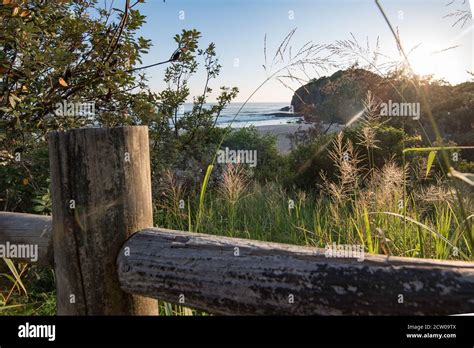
pixel 270 163
pixel 58 52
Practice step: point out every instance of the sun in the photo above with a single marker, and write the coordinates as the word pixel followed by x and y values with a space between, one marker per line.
pixel 443 61
pixel 436 61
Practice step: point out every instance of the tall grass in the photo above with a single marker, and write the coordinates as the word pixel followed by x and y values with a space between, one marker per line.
pixel 369 215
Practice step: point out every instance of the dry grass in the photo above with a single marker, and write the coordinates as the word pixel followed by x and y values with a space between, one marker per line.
pixel 234 183
pixel 347 161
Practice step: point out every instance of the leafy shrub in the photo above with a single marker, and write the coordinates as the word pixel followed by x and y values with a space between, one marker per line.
pixel 270 164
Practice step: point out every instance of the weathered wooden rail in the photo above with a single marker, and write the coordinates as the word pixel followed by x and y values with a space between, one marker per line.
pixel 108 260
pixel 28 229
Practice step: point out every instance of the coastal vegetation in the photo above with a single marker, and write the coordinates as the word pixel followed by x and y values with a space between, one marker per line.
pixel 395 185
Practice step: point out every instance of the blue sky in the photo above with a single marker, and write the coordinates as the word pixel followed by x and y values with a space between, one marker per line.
pixel 238 27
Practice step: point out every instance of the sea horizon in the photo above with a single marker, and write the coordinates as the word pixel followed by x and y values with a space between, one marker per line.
pixel 252 114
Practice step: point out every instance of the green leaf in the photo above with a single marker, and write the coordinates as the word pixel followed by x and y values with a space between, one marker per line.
pixel 431 158
pixel 204 186
pixel 203 194
pixel 368 231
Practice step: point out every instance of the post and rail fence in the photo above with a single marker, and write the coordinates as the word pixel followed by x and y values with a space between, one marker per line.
pixel 109 260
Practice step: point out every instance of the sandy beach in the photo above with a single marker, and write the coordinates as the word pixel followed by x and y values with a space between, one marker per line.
pixel 282 132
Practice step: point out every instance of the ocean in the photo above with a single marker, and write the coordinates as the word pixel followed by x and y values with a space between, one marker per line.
pixel 255 114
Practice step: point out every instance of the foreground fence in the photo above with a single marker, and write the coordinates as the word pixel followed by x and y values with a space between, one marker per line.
pixel 108 259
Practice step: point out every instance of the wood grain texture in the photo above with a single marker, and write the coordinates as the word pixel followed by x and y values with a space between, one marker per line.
pixel 204 271
pixel 106 172
pixel 30 229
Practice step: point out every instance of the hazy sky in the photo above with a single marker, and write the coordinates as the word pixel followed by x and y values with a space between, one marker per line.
pixel 238 27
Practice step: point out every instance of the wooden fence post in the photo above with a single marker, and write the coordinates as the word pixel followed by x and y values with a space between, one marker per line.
pixel 101 193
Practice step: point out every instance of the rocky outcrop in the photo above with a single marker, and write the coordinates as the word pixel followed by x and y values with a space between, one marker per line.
pixel 335 98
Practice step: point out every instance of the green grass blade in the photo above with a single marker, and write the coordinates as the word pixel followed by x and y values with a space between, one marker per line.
pixel 416 223
pixel 15 274
pixel 202 195
pixel 431 158
pixel 204 186
pixel 436 148
pixel 368 231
